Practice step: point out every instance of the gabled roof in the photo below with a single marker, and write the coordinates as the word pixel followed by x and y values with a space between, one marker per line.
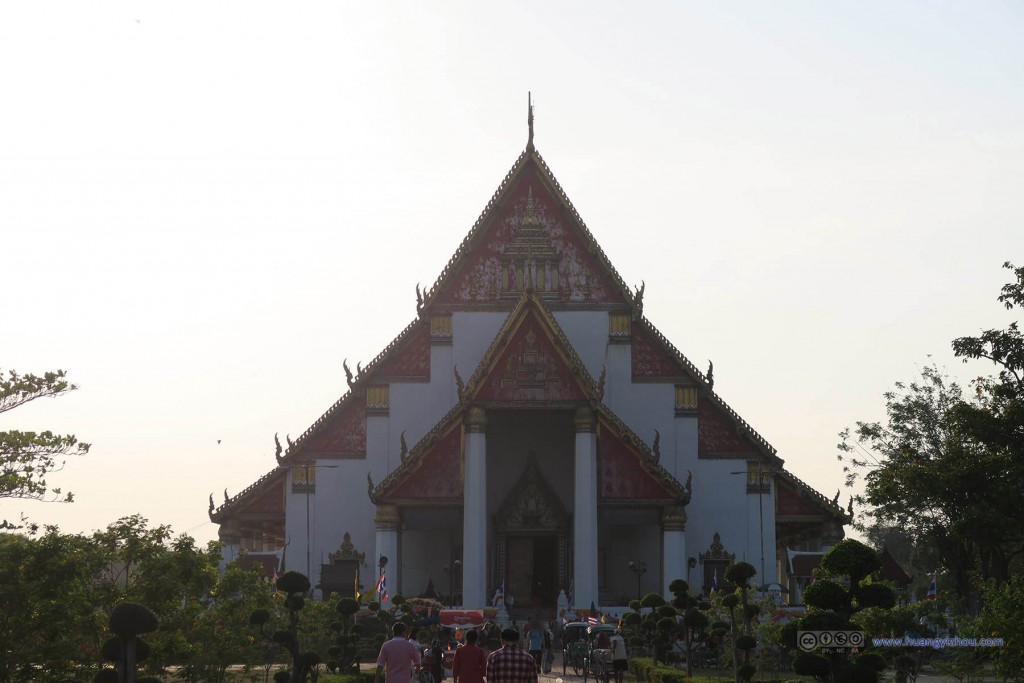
pixel 510 209
pixel 263 498
pixel 795 500
pixel 531 203
pixel 529 361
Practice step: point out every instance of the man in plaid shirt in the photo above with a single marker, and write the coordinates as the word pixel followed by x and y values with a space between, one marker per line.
pixel 511 664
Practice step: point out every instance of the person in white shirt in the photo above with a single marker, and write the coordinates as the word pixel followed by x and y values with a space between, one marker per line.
pixel 619 664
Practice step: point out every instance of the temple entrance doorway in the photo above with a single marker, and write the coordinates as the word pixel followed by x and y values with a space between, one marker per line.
pixel 532 571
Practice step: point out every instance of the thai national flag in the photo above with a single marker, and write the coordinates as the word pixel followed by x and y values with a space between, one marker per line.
pixel 382 588
pixel 714 582
pixel 933 590
pixel 592 620
pixel 499 595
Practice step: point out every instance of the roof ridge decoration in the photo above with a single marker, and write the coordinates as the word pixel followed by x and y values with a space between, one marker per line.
pixel 529 121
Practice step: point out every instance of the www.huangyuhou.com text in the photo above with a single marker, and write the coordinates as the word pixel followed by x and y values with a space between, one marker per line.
pixel 937 643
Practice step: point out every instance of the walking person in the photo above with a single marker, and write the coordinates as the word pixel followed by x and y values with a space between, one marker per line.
pixel 511 664
pixel 470 663
pixel 619 664
pixel 535 643
pixel 398 659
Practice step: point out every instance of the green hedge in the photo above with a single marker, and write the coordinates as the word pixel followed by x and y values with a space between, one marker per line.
pixel 363 677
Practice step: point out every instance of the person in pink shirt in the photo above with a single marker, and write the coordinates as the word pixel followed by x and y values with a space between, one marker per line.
pixel 398 658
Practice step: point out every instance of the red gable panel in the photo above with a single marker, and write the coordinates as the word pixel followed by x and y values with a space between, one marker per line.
pixel 789 502
pixel 439 475
pixel 620 474
pixel 269 502
pixel 484 275
pixel 651 361
pixel 410 362
pixel 530 368
pixel 346 433
pixel 717 435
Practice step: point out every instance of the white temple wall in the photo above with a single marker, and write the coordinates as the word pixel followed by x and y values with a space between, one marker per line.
pixel 472 334
pixel 629 536
pixel 417 407
pixel 587 332
pixel 720 504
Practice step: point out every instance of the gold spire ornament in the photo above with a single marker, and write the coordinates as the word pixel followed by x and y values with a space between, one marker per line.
pixel 529 120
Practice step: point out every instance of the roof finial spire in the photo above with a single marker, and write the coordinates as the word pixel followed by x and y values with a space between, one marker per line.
pixel 529 120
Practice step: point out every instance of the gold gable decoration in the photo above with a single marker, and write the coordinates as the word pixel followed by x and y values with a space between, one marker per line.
pixel 378 399
pixel 686 398
pixel 530 261
pixel 346 551
pixel 531 506
pixel 717 551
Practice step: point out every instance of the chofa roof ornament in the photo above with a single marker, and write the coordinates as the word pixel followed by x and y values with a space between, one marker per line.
pixel 529 121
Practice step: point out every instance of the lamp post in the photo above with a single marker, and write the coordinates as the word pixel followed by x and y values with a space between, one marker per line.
pixel 764 482
pixel 639 568
pixel 452 570
pixel 309 486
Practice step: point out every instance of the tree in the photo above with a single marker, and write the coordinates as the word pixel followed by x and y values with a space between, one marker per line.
pixel 930 476
pixel 1000 617
pixel 295 586
pixel 743 639
pixel 26 458
pixel 995 422
pixel 832 607
pixel 49 625
pixel 947 469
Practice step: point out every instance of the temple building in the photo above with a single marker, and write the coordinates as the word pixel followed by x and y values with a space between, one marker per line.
pixel 530 429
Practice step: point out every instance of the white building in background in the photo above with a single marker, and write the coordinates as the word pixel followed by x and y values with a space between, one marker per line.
pixel 532 429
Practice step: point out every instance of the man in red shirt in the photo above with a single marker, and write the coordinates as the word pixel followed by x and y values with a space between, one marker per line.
pixel 470 663
pixel 398 658
pixel 511 664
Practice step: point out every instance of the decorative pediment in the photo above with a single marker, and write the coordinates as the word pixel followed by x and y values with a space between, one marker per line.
pixel 716 551
pixel 627 471
pixel 529 237
pixel 531 506
pixel 531 361
pixel 432 473
pixel 347 552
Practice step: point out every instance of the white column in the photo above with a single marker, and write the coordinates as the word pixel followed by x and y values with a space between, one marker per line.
pixel 386 521
pixel 673 541
pixel 474 511
pixel 585 511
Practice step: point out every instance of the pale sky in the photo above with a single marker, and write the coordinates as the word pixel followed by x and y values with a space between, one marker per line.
pixel 206 206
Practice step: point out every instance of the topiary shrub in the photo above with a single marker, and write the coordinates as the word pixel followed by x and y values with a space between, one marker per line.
pixel 127 621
